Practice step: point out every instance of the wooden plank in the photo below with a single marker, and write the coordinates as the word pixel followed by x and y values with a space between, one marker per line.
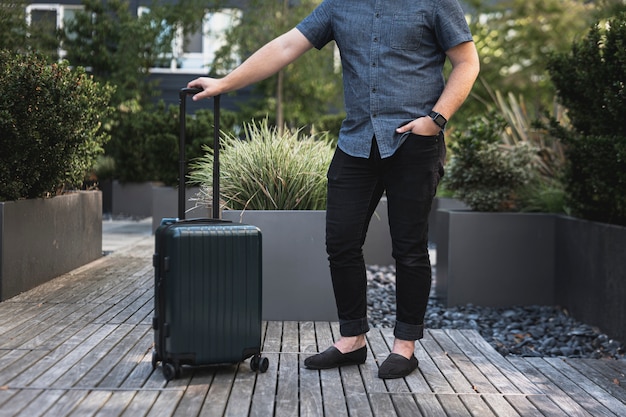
pixel 453 406
pixel 455 378
pixel 568 404
pixel 194 395
pixel 456 349
pixel 61 360
pixel 264 395
pixel 545 404
pixel 19 401
pixel 354 389
pixel 311 403
pixel 91 404
pixel 287 386
pixel 239 402
pixel 523 405
pixel 476 405
pixel 501 406
pixel 588 386
pixel 405 405
pixel 380 400
pixel 141 403
pixel 330 379
pixel 40 405
pixel 602 374
pixel 217 397
pixel 67 403
pixel 500 364
pixel 130 372
pixel 165 403
pixel 99 355
pixel 117 402
pixel 431 373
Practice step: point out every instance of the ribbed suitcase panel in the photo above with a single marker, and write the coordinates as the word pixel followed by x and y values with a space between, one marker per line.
pixel 213 293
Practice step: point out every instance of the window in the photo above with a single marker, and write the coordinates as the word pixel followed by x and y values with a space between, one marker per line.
pixel 51 17
pixel 195 52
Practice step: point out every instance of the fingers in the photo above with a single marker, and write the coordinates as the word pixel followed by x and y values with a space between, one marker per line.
pixel 420 126
pixel 205 84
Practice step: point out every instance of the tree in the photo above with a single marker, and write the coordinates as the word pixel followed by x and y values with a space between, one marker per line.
pixel 119 47
pixel 515 38
pixel 304 90
pixel 17 36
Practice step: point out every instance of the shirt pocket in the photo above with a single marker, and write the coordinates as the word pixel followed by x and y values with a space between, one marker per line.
pixel 406 31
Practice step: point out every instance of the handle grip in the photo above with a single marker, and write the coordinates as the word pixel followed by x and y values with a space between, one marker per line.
pixel 184 92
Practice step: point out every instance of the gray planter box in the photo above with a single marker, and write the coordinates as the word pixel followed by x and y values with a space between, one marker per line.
pixel 165 204
pixel 441 203
pixel 591 273
pixel 41 239
pixel 296 276
pixel 495 259
pixel 132 199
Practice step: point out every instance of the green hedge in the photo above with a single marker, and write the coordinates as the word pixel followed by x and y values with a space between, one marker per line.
pixel 590 83
pixel 50 126
pixel 144 144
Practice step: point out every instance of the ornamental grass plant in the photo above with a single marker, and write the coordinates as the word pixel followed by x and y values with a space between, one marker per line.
pixel 267 170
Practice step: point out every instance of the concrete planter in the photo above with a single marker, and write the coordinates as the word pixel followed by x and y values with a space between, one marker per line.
pixel 591 273
pixel 41 239
pixel 296 277
pixel 132 199
pixel 495 259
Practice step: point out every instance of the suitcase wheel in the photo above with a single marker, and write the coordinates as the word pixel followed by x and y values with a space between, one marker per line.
pixel 170 371
pixel 155 359
pixel 259 363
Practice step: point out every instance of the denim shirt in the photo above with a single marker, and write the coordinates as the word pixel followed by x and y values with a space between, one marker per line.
pixel 392 55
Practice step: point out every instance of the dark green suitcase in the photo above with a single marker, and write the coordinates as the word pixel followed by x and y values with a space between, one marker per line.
pixel 208 285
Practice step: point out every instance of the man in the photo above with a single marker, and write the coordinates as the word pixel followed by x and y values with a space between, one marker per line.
pixel 397 105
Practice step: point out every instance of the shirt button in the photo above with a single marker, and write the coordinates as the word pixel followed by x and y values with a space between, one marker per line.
pixel 375 39
pixel 377 15
pixel 373 90
pixel 373 64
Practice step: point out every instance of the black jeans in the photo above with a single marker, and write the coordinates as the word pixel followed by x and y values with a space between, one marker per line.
pixel 355 185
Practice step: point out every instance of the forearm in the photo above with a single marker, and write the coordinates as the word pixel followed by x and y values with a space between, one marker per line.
pixel 465 68
pixel 265 62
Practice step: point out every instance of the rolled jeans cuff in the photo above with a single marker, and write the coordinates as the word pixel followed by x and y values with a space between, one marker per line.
pixel 405 331
pixel 357 327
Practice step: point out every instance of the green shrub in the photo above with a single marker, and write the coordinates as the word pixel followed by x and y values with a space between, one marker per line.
pixel 484 173
pixel 50 125
pixel 144 142
pixel 267 170
pixel 596 177
pixel 590 82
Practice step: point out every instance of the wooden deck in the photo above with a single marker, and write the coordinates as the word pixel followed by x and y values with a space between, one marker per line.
pixel 81 346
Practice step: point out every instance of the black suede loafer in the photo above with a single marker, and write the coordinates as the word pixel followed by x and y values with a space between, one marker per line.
pixel 333 358
pixel 397 366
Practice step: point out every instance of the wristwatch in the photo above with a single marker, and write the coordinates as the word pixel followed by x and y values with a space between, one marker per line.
pixel 438 119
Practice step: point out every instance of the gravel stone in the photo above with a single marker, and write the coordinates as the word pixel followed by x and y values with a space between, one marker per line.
pixel 532 331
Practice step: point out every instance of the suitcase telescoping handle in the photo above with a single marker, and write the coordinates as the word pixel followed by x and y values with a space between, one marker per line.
pixel 184 92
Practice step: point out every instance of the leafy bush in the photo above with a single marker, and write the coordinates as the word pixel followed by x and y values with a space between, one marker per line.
pixel 590 83
pixel 596 176
pixel 484 173
pixel 144 142
pixel 50 125
pixel 590 79
pixel 267 170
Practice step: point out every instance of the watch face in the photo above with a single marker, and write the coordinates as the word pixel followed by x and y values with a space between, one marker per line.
pixel 439 119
